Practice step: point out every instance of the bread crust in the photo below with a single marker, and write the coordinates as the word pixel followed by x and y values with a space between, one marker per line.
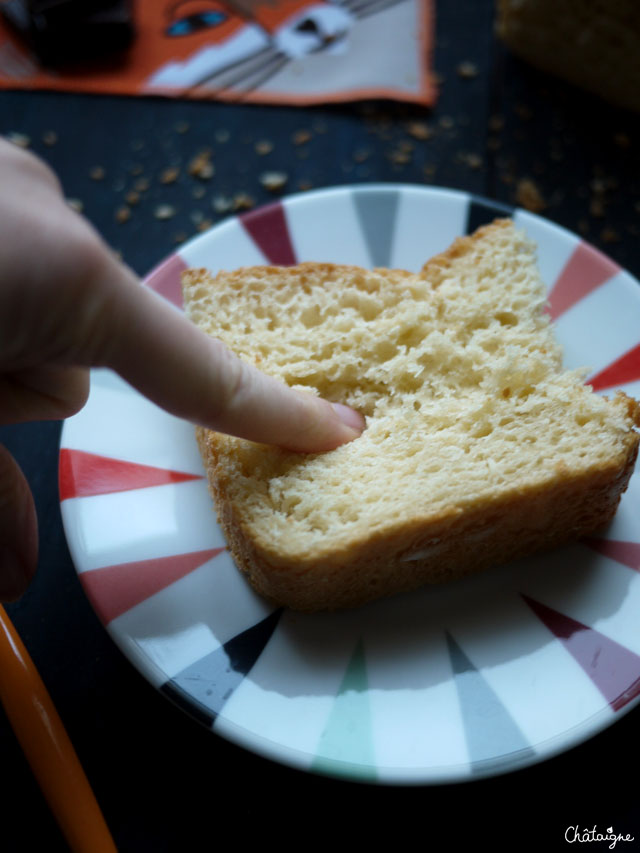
pixel 454 542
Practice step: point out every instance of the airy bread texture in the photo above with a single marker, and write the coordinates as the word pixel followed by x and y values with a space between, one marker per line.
pixel 479 448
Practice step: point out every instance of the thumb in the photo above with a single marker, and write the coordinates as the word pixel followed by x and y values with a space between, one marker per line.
pixel 18 530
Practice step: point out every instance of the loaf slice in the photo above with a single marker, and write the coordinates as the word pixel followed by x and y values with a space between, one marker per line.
pixel 591 44
pixel 479 447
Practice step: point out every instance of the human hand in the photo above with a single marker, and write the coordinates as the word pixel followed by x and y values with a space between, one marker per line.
pixel 66 304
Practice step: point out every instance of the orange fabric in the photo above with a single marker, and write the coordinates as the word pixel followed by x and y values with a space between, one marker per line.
pixel 175 37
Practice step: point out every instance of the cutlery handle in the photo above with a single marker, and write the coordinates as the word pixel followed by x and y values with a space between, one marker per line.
pixel 47 747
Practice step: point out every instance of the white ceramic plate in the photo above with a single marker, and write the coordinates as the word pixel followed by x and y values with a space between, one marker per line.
pixel 483 676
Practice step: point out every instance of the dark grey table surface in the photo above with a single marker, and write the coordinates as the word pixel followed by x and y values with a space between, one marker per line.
pixel 163 781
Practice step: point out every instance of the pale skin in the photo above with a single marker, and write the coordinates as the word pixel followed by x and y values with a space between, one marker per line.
pixel 67 304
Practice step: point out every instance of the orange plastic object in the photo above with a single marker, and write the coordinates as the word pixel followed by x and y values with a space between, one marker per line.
pixel 47 747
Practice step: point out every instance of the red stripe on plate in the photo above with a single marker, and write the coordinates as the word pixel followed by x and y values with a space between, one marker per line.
pixel 622 370
pixel 586 269
pixel 113 590
pixel 614 669
pixel 82 475
pixel 627 553
pixel 269 230
pixel 165 279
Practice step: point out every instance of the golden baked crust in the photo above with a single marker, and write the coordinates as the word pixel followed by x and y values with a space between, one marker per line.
pixel 455 543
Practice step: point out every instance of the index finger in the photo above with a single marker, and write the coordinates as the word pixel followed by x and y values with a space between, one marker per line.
pixel 155 348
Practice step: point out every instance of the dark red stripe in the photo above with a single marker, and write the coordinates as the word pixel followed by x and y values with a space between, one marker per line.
pixel 586 269
pixel 627 553
pixel 82 474
pixel 269 230
pixel 614 669
pixel 113 590
pixel 622 370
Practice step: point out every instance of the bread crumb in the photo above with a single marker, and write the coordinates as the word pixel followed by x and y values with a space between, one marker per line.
pixel 97 173
pixel 201 166
pixel 263 146
pixel 300 137
pixel 169 175
pixel 609 235
pixel 419 130
pixel 467 70
pixel 473 161
pixel 221 203
pixel 622 140
pixel 123 214
pixel 243 201
pixel 273 181
pixel 529 196
pixel 164 211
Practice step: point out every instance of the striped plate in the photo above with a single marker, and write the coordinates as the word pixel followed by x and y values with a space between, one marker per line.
pixel 483 676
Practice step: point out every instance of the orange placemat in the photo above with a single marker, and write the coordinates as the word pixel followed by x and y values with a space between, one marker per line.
pixel 268 51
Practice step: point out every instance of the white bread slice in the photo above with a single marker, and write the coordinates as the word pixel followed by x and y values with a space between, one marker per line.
pixel 479 447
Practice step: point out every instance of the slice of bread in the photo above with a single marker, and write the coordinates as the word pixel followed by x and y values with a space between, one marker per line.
pixel 591 44
pixel 479 447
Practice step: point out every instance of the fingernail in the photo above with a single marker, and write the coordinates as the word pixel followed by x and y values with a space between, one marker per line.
pixel 14 577
pixel 349 417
